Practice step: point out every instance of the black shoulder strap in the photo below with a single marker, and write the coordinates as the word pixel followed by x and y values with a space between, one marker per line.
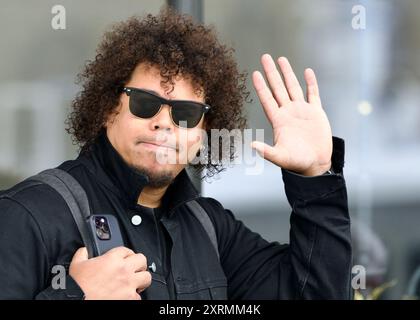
pixel 75 197
pixel 78 203
pixel 204 219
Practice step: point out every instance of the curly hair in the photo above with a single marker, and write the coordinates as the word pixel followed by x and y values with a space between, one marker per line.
pixel 176 45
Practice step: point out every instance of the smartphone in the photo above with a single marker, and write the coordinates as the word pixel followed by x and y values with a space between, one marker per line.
pixel 106 233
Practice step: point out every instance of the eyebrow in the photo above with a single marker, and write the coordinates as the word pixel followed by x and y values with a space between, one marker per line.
pixel 152 91
pixel 155 93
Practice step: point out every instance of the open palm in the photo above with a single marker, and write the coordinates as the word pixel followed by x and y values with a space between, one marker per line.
pixel 301 130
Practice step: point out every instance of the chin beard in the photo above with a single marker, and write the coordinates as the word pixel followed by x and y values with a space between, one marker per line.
pixel 156 180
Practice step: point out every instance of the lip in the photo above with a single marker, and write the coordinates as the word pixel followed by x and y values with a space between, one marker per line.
pixel 155 146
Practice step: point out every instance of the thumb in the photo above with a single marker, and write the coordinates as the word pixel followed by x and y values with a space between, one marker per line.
pixel 277 155
pixel 80 255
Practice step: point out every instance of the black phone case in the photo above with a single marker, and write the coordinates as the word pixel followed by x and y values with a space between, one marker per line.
pixel 102 246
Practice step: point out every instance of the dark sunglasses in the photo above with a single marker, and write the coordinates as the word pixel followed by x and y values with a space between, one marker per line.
pixel 146 105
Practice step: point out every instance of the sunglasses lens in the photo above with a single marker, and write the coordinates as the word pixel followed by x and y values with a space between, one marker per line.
pixel 143 105
pixel 187 115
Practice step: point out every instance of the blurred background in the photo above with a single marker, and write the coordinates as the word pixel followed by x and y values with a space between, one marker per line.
pixel 369 77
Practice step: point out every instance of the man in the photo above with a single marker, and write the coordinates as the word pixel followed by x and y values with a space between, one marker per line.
pixel 128 118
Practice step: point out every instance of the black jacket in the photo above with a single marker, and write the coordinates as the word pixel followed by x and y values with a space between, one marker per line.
pixel 37 232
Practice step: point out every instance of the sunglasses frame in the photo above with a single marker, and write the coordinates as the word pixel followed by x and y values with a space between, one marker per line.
pixel 204 107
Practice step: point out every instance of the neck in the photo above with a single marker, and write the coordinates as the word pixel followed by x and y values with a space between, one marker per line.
pixel 151 197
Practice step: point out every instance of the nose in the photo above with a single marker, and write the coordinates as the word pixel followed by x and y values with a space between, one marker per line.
pixel 162 121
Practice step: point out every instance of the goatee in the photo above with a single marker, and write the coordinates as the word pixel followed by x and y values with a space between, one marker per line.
pixel 156 180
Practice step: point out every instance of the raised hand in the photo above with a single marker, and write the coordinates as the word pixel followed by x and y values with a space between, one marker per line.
pixel 301 130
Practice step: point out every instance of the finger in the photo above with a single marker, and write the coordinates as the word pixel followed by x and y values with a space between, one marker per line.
pixel 274 79
pixel 292 84
pixel 134 295
pixel 142 280
pixel 121 252
pixel 137 262
pixel 267 100
pixel 279 155
pixel 312 91
pixel 80 255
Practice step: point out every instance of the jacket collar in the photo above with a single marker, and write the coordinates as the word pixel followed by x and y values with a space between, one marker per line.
pixel 116 174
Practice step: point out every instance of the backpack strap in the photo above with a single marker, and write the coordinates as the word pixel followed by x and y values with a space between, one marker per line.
pixel 75 197
pixel 204 219
pixel 77 201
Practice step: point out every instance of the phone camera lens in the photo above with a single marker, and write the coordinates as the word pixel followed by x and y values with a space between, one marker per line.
pixel 102 228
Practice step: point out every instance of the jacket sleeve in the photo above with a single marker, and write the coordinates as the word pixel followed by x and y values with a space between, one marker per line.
pixel 24 265
pixel 317 262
